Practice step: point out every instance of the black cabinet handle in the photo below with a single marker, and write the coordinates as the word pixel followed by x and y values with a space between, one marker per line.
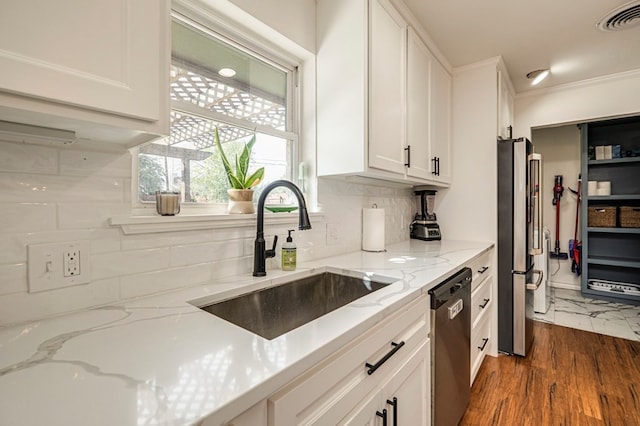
pixel 408 149
pixel 484 343
pixel 484 305
pixel 483 270
pixel 435 168
pixel 383 415
pixel 394 404
pixel 373 368
pixel 438 166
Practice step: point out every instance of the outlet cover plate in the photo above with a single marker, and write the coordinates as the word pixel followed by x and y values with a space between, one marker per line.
pixel 45 265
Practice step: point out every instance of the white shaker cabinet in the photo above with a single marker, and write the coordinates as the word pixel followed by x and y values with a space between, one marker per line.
pixel 387 47
pixel 99 68
pixel 405 397
pixel 483 310
pixel 375 109
pixel 346 388
pixel 419 63
pixel 360 88
pixel 428 113
pixel 440 118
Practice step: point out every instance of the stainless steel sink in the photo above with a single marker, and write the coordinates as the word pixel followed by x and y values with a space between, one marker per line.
pixel 274 311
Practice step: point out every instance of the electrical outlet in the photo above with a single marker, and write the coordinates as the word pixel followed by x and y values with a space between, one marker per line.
pixel 71 261
pixel 333 235
pixel 57 265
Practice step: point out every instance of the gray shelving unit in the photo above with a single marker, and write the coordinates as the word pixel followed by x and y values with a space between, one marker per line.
pixel 611 255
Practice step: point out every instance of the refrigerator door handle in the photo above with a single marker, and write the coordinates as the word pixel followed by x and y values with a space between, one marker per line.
pixel 534 286
pixel 535 182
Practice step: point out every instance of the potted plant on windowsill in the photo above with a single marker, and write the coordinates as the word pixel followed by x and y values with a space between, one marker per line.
pixel 240 181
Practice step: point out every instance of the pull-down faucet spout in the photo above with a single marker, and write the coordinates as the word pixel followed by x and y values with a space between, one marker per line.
pixel 260 254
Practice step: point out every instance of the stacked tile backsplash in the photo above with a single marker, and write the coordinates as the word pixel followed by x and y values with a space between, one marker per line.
pixel 52 194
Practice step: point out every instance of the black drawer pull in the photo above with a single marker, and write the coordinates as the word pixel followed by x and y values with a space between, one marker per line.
pixel 373 368
pixel 383 415
pixel 484 343
pixel 408 163
pixel 484 305
pixel 483 270
pixel 394 404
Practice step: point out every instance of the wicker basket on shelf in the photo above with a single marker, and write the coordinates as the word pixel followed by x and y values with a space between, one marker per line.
pixel 602 216
pixel 629 217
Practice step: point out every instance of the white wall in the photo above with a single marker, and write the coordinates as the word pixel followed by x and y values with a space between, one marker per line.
pixel 560 149
pixel 468 209
pixel 612 96
pixel 294 19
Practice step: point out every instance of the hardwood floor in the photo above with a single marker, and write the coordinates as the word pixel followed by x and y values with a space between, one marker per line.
pixel 571 377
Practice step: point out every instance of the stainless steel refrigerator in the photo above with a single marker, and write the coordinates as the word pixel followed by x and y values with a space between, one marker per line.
pixel 519 239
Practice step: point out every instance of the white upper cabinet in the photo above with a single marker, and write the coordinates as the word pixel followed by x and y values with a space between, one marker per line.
pixel 387 47
pixel 98 68
pixel 428 113
pixel 440 119
pixel 374 95
pixel 419 62
pixel 505 105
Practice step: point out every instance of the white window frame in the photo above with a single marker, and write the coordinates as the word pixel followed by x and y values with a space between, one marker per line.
pixel 260 47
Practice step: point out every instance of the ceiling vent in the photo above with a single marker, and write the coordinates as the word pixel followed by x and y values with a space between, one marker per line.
pixel 621 18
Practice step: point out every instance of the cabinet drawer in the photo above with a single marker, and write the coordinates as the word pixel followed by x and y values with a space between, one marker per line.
pixel 481 301
pixel 480 341
pixel 327 392
pixel 481 267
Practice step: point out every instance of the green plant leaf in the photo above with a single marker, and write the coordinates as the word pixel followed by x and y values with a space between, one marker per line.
pixel 255 178
pixel 242 166
pixel 225 162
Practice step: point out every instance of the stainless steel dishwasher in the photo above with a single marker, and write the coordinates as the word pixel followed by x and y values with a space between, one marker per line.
pixel 450 348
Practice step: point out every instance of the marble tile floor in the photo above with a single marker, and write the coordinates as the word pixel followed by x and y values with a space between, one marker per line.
pixel 570 309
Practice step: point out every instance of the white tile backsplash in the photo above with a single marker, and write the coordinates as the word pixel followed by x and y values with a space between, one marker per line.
pixel 13 278
pixel 68 194
pixel 22 158
pixel 27 217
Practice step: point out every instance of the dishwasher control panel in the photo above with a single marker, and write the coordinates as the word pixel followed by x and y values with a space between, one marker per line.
pixel 455 309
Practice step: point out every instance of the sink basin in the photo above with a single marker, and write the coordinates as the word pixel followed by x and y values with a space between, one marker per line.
pixel 276 310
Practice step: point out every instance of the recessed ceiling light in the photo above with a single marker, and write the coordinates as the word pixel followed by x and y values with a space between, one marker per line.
pixel 227 72
pixel 537 76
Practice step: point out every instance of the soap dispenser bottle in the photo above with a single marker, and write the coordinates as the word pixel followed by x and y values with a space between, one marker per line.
pixel 289 254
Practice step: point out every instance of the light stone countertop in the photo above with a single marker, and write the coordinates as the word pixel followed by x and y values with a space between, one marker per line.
pixel 161 360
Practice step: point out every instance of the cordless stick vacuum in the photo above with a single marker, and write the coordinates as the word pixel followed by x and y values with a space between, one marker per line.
pixel 558 189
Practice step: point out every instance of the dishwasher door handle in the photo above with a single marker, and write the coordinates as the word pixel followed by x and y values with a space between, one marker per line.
pixel 372 368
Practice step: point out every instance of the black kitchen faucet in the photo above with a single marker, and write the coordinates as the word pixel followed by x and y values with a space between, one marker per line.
pixel 260 253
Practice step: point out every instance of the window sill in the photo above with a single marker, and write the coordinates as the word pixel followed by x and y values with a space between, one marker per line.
pixel 132 225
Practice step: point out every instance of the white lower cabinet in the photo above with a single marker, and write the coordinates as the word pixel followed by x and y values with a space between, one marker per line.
pixel 391 360
pixel 403 400
pixel 482 310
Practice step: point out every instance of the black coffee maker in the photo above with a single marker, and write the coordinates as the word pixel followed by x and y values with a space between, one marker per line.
pixel 424 226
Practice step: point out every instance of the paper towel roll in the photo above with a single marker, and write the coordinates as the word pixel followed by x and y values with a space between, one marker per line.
pixel 604 188
pixel 373 229
pixel 592 187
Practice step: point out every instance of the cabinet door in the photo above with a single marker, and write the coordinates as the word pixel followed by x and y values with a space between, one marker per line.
pixel 387 47
pixel 411 387
pixel 419 61
pixel 505 106
pixel 441 121
pixel 100 55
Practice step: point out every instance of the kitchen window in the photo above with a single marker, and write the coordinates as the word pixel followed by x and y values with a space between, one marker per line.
pixel 218 83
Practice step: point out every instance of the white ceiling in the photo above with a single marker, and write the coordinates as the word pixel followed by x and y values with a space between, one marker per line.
pixel 556 34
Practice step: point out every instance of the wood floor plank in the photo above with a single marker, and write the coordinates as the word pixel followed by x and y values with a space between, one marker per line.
pixel 570 377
